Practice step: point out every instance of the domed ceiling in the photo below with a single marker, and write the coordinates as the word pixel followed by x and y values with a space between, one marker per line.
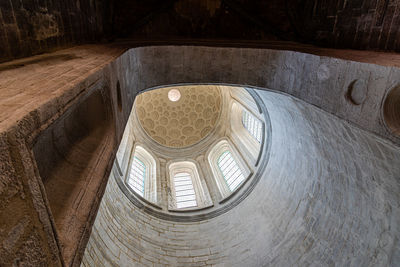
pixel 183 121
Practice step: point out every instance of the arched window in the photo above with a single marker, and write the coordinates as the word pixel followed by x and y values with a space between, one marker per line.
pixel 188 189
pixel 184 190
pixel 141 176
pixel 230 170
pixel 252 124
pixel 228 167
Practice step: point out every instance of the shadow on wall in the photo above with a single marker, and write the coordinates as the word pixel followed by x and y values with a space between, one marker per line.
pixel 391 110
pixel 41 60
pixel 72 156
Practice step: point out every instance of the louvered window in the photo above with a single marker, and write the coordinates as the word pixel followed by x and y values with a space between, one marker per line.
pixel 252 124
pixel 230 170
pixel 185 194
pixel 137 176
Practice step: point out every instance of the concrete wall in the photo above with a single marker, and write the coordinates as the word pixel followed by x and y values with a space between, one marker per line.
pixel 329 196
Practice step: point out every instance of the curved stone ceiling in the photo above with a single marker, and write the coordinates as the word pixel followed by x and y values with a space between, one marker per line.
pixel 179 123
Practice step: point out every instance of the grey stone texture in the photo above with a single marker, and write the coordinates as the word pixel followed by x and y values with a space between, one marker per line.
pixel 329 196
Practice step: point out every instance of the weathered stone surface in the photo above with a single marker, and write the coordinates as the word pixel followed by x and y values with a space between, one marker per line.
pixel 32 232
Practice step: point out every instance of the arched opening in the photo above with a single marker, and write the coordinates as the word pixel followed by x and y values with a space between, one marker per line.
pixel 180 135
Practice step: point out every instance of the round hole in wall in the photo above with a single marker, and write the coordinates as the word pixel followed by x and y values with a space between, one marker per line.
pixel 119 98
pixel 391 110
pixel 174 95
pixel 357 92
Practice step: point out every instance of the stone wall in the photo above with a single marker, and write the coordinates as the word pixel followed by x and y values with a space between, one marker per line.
pixel 33 27
pixel 329 196
pixel 42 99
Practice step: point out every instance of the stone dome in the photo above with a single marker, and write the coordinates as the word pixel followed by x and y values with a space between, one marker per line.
pixel 183 122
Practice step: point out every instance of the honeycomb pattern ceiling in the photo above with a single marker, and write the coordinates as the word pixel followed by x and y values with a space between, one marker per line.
pixel 183 122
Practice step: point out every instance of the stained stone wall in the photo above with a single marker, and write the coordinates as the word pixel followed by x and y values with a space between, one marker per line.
pixel 34 27
pixel 329 196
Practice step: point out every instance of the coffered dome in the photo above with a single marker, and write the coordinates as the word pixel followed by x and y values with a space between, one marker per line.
pixel 179 116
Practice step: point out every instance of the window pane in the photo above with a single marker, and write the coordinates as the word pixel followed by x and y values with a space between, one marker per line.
pixel 137 176
pixel 230 170
pixel 184 191
pixel 252 124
